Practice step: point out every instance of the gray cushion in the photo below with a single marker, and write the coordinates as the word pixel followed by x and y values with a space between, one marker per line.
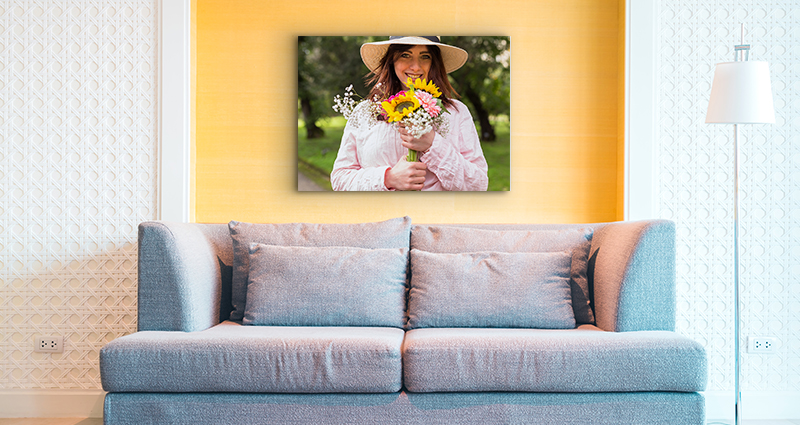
pixel 394 233
pixel 225 305
pixel 326 286
pixel 577 360
pixel 457 239
pixel 231 357
pixel 490 289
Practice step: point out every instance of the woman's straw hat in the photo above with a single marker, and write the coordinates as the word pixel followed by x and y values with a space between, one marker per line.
pixel 372 53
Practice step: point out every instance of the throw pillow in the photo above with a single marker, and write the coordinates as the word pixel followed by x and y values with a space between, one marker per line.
pixel 225 306
pixel 453 239
pixel 490 289
pixel 394 233
pixel 326 286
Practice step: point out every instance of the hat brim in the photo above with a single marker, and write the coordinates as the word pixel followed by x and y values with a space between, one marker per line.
pixel 452 56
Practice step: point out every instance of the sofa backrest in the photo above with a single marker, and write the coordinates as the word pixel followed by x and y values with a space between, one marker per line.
pixel 185 269
pixel 181 269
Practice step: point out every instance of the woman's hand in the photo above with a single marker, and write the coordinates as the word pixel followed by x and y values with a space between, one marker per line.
pixel 409 142
pixel 405 175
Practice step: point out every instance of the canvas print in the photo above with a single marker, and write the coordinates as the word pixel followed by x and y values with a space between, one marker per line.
pixel 403 113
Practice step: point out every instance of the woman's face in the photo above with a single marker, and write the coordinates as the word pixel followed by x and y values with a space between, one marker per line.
pixel 413 63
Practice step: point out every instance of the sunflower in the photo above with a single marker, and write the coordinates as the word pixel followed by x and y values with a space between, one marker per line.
pixel 424 85
pixel 400 106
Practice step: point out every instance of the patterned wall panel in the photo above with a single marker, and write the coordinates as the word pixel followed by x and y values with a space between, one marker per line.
pixel 695 185
pixel 78 164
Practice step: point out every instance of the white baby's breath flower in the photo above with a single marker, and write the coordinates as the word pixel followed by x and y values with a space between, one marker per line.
pixel 356 112
pixel 420 122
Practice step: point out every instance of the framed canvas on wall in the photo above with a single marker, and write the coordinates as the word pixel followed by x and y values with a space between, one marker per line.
pixel 403 113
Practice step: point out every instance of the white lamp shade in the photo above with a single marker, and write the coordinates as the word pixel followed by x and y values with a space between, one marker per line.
pixel 741 94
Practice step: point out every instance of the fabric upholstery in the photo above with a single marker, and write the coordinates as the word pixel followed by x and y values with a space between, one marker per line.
pixel 226 280
pixel 394 233
pixel 514 408
pixel 581 286
pixel 578 360
pixel 634 276
pixel 490 289
pixel 460 239
pixel 326 286
pixel 176 294
pixel 231 357
pixel 180 276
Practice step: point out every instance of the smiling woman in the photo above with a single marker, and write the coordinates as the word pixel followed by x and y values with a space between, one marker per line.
pixel 409 79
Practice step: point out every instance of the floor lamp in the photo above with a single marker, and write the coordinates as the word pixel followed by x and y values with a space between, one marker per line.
pixel 740 94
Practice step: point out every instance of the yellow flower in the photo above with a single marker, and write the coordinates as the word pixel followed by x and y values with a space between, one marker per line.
pixel 424 85
pixel 400 106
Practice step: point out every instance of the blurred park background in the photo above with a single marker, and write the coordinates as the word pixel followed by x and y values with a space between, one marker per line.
pixel 327 65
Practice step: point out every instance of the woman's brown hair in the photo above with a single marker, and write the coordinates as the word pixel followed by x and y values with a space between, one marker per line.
pixel 386 84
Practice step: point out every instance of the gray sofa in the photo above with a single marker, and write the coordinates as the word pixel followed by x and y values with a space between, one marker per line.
pixel 394 323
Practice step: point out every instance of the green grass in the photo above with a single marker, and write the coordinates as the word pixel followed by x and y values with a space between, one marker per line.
pixel 498 156
pixel 316 156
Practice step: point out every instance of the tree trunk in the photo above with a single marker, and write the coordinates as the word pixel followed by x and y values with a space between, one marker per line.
pixel 486 128
pixel 312 131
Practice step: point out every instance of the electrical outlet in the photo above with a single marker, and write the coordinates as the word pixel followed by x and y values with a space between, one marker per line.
pixel 49 344
pixel 761 345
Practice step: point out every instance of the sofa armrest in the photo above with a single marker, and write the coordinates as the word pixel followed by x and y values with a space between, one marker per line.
pixel 179 276
pixel 634 276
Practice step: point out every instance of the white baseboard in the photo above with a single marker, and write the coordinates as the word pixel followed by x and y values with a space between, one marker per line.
pixel 764 405
pixel 51 403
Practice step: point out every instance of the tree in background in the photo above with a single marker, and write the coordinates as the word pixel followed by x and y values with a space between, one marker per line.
pixel 325 66
pixel 485 80
pixel 306 77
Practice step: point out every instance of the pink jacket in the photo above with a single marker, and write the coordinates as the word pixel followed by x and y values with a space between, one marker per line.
pixel 454 162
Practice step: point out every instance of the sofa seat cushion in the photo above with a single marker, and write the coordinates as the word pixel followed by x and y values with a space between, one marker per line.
pixel 256 359
pixel 577 360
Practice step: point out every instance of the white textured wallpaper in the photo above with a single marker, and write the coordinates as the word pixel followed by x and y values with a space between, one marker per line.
pixel 78 163
pixel 694 179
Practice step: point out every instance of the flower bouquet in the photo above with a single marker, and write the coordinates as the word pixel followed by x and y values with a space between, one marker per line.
pixel 419 109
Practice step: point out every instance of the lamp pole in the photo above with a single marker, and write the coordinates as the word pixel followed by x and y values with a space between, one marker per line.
pixel 742 52
pixel 738 402
pixel 740 94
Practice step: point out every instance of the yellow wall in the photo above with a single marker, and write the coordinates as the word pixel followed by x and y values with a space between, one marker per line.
pixel 566 77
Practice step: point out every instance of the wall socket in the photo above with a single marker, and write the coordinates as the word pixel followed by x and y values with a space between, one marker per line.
pixel 49 344
pixel 761 345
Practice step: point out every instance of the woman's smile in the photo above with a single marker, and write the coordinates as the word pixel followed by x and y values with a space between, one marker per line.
pixel 413 63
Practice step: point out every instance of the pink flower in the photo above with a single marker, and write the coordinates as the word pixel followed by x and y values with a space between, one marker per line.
pixel 428 102
pixel 398 94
